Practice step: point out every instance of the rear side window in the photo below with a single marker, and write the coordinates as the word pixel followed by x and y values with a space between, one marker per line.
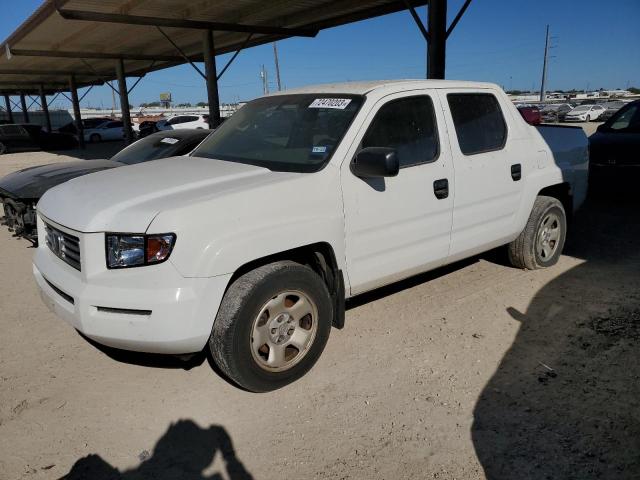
pixel 407 125
pixel 478 120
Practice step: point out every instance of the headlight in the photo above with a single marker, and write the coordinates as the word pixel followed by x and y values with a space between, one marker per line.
pixel 137 250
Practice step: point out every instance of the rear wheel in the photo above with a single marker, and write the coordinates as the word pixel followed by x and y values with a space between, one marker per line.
pixel 541 242
pixel 95 138
pixel 272 326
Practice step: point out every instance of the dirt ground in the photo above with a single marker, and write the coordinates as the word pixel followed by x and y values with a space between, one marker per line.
pixel 474 371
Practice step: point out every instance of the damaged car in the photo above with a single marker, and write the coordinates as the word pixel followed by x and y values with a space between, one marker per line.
pixel 21 190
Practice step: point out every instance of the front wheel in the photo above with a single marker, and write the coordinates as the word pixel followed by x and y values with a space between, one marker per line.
pixel 272 326
pixel 541 242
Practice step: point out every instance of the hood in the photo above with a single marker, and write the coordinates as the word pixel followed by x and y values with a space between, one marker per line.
pixel 127 199
pixel 31 183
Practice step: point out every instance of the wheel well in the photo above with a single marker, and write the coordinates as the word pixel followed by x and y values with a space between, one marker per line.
pixel 562 192
pixel 321 258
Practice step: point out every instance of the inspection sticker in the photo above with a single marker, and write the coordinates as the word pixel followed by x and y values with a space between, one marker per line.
pixel 339 103
pixel 319 149
pixel 169 140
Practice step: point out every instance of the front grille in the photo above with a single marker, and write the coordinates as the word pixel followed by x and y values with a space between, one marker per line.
pixel 64 246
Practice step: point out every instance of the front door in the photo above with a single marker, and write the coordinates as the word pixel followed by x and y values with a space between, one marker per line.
pixel 399 226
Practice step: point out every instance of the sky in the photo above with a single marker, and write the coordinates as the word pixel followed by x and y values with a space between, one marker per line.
pixel 595 45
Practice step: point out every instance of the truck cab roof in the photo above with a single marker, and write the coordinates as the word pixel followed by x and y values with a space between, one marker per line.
pixel 363 88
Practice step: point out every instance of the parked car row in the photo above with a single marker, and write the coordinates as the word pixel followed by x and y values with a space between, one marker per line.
pixel 21 190
pixel 28 137
pixel 568 112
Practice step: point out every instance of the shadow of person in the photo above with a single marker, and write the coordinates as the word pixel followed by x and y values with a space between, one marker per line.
pixel 564 402
pixel 184 452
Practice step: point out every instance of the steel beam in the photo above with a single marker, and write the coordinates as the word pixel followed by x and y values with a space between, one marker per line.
pixel 7 103
pixel 23 103
pixel 182 23
pixel 51 73
pixel 233 57
pixel 76 110
pixel 436 50
pixel 182 54
pixel 45 108
pixel 124 101
pixel 95 55
pixel 208 50
pixel 458 17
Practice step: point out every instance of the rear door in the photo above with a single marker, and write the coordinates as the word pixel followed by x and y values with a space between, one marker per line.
pixel 399 226
pixel 489 167
pixel 114 131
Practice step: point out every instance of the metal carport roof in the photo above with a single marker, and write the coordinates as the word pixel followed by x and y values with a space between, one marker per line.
pixel 48 47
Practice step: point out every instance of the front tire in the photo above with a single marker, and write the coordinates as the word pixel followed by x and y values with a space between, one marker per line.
pixel 541 242
pixel 272 326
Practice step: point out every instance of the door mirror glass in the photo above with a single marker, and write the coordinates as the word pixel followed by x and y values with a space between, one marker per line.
pixel 375 162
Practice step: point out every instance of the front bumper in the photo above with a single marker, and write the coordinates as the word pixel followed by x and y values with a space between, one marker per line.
pixel 147 309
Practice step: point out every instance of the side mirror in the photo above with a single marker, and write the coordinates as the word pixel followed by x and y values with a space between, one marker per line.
pixel 375 162
pixel 601 128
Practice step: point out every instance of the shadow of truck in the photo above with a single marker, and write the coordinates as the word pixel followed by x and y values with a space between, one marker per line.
pixel 564 402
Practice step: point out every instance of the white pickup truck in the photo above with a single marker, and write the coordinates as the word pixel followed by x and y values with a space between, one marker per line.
pixel 302 199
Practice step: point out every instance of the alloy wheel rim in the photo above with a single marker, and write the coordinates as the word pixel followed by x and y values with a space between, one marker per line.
pixel 283 331
pixel 548 238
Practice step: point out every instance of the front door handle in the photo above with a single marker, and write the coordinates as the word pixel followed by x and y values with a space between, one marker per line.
pixel 516 172
pixel 441 188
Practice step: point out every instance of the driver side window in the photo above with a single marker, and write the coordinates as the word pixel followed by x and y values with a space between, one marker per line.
pixel 408 125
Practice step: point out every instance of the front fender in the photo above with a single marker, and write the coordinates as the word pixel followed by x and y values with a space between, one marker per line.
pixel 217 236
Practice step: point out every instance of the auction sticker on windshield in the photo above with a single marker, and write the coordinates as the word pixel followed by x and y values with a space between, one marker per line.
pixel 339 103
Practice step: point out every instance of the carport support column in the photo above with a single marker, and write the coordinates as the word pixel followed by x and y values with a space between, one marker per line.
pixel 25 113
pixel 76 110
pixel 436 49
pixel 208 50
pixel 7 103
pixel 45 108
pixel 124 101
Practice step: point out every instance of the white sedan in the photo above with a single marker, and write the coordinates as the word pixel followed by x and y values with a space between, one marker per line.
pixel 584 113
pixel 109 130
pixel 185 121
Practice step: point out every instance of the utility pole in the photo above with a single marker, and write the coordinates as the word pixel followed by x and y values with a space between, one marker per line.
pixel 265 83
pixel 543 86
pixel 275 56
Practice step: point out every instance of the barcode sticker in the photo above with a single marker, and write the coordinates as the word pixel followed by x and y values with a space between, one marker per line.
pixel 339 103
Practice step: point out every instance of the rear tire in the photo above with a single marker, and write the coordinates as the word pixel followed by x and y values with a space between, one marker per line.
pixel 541 242
pixel 262 317
pixel 95 138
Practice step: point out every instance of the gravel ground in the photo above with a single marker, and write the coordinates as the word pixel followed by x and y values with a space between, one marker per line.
pixel 474 371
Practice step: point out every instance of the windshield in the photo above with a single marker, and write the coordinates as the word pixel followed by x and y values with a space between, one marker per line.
pixel 153 148
pixel 295 133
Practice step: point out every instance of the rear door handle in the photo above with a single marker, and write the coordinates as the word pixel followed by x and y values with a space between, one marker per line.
pixel 441 188
pixel 516 172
